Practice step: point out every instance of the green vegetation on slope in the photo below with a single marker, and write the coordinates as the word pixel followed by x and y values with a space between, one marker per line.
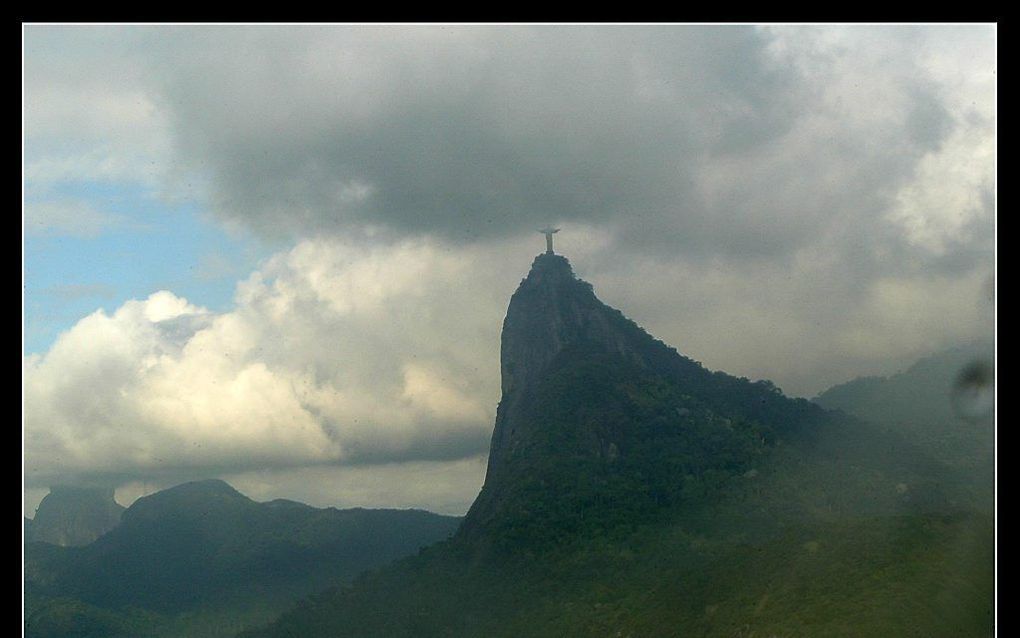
pixel 638 508
pixel 911 575
pixel 202 559
pixel 918 403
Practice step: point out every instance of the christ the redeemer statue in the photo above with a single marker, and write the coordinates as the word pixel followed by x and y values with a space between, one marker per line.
pixel 548 232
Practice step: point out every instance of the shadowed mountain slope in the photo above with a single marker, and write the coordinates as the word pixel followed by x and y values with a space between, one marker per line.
pixel 944 404
pixel 205 548
pixel 631 491
pixel 73 516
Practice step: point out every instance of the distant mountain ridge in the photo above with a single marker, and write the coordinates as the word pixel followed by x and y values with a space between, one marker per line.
pixel 929 404
pixel 922 392
pixel 74 516
pixel 205 547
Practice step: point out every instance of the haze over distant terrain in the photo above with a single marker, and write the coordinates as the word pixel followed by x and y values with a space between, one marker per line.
pixel 631 491
pixel 201 559
pixel 281 255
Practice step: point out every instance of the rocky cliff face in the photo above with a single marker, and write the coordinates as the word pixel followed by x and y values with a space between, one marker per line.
pixel 551 311
pixel 72 516
pixel 589 396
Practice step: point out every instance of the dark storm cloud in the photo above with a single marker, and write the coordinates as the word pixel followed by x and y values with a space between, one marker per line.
pixel 706 140
pixel 477 132
pixel 736 142
pixel 434 442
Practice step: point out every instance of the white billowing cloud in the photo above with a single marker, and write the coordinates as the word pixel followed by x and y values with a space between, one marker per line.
pixel 350 354
pixel 334 353
pixel 948 203
pixel 951 191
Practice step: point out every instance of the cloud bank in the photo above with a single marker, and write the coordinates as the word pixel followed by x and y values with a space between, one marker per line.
pixel 725 141
pixel 346 354
pixel 797 203
pixel 334 353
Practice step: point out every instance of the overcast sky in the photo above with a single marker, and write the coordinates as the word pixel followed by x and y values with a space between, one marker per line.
pixel 282 255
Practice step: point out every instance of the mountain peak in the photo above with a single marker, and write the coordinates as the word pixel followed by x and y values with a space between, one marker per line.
pixel 581 384
pixel 73 516
pixel 551 309
pixel 196 497
pixel 207 486
pixel 551 264
pixel 551 315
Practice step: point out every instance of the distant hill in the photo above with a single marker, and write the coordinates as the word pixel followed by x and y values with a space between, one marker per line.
pixel 632 492
pixel 944 404
pixel 201 559
pixel 72 516
pixel 925 392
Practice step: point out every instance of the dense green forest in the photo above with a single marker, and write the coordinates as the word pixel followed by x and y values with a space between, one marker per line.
pixel 696 525
pixel 906 575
